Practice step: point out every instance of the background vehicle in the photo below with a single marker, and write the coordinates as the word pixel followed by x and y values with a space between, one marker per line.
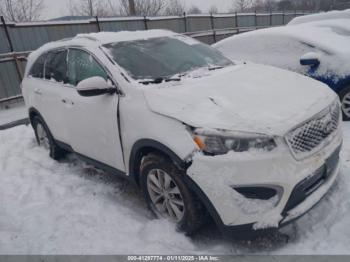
pixel 319 49
pixel 198 134
pixel 345 14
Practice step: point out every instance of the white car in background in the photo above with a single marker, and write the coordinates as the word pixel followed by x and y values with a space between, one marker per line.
pixel 345 14
pixel 195 132
pixel 314 45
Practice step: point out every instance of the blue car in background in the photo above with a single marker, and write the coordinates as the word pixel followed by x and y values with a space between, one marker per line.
pixel 317 46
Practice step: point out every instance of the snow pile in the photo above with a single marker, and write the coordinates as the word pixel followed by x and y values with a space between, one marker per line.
pixel 321 16
pixel 284 46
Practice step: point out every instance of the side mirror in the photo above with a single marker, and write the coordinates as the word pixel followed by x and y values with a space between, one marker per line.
pixel 310 59
pixel 94 86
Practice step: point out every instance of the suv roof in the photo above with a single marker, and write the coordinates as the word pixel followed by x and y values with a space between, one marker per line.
pixel 98 39
pixel 95 40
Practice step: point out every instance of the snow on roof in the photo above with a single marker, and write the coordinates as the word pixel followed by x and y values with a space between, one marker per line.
pixel 98 39
pixel 321 16
pixel 111 37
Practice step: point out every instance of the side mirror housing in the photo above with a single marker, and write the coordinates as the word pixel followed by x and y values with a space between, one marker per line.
pixel 310 59
pixel 94 86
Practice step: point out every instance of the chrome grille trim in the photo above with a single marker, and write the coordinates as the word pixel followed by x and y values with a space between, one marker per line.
pixel 311 136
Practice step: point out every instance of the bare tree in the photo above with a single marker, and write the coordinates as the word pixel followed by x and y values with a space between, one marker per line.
pixel 242 5
pixel 21 10
pixel 132 7
pixel 264 5
pixel 213 9
pixel 174 7
pixel 194 10
pixel 142 7
pixel 92 7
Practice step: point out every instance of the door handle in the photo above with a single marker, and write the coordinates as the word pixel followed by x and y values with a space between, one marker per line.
pixel 65 101
pixel 38 91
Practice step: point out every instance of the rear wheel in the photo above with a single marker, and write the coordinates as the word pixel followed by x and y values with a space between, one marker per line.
pixel 168 196
pixel 345 101
pixel 45 139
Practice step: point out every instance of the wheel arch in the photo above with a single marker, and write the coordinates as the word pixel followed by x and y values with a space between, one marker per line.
pixel 145 146
pixel 33 113
pixel 345 83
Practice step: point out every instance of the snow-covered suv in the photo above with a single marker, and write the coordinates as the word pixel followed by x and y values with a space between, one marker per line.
pixel 252 146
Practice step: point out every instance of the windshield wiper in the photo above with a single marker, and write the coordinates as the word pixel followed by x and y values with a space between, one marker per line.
pixel 159 80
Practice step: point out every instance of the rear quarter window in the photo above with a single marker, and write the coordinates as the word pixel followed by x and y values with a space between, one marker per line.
pixel 37 69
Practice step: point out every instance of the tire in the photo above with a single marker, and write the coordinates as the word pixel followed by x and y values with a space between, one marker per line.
pixel 45 139
pixel 193 212
pixel 345 100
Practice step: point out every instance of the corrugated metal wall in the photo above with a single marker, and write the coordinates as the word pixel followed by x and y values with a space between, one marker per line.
pixel 9 80
pixel 26 37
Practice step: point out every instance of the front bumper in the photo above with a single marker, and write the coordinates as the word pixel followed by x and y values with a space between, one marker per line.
pixel 217 176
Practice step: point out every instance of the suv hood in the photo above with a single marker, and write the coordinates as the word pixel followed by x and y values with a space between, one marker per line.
pixel 245 97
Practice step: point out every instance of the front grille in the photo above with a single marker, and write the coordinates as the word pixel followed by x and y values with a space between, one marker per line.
pixel 307 138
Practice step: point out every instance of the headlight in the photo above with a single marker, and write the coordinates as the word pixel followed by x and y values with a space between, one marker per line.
pixel 217 143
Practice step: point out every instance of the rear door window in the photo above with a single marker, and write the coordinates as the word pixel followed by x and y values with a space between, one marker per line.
pixel 56 66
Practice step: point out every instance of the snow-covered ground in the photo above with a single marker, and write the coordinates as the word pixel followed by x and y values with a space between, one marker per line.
pixel 48 207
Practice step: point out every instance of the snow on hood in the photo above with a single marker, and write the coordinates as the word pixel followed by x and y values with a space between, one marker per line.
pixel 250 98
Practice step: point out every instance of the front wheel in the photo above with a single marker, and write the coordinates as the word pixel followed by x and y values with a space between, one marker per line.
pixel 345 103
pixel 167 195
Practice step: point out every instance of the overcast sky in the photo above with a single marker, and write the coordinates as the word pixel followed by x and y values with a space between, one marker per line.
pixel 56 8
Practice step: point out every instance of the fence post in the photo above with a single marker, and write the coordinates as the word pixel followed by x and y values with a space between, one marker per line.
pixel 213 26
pixel 98 24
pixel 185 22
pixel 18 67
pixel 145 21
pixel 236 19
pixel 270 17
pixel 256 20
pixel 7 34
pixel 283 17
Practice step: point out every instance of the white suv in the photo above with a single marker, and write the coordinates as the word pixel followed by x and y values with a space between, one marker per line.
pixel 252 146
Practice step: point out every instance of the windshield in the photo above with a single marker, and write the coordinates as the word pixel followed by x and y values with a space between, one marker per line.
pixel 165 57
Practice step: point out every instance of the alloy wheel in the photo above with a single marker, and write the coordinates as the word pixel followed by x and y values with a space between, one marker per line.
pixel 165 195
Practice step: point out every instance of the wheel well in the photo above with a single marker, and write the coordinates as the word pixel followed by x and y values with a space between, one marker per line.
pixel 33 113
pixel 145 147
pixel 138 158
pixel 344 85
